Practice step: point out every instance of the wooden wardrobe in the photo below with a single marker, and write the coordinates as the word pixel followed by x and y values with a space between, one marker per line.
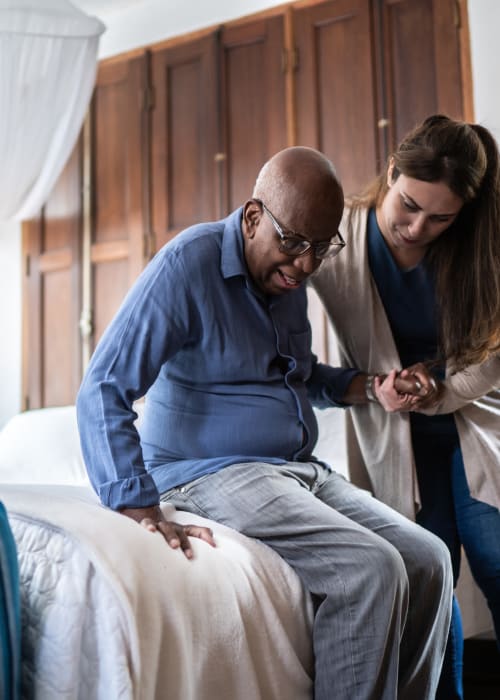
pixel 177 132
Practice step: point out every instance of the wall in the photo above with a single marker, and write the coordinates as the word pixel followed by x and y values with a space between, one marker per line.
pixel 149 22
pixel 10 315
pixel 484 23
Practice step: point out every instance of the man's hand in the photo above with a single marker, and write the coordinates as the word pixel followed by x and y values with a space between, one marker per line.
pixel 175 534
pixel 411 389
pixel 396 392
pixel 431 388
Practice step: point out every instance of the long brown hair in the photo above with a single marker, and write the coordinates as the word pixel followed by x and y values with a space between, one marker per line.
pixel 465 258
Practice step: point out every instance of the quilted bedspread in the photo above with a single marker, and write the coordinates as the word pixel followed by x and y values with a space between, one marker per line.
pixel 110 612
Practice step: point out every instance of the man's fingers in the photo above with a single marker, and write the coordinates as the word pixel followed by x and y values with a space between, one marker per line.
pixel 177 535
pixel 203 533
pixel 149 524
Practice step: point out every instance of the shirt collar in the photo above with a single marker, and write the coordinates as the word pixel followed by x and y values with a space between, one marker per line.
pixel 233 254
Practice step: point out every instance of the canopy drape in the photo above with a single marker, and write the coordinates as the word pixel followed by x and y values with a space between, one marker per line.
pixel 48 61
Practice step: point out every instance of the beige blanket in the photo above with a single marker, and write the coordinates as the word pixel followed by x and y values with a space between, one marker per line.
pixel 234 623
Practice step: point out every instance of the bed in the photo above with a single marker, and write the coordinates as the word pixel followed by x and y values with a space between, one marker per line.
pixel 109 612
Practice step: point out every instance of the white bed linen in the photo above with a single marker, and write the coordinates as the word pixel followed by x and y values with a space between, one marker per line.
pixel 111 612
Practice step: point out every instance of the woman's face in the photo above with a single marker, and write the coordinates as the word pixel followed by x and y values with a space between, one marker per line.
pixel 413 214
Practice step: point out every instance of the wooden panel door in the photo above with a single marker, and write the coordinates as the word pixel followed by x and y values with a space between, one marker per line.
pixel 336 104
pixel 184 137
pixel 119 201
pixel 51 294
pixel 335 86
pixel 253 104
pixel 420 62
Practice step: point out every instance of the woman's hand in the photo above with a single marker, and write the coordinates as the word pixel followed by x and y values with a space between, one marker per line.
pixel 431 388
pixel 175 534
pixel 397 392
pixel 412 389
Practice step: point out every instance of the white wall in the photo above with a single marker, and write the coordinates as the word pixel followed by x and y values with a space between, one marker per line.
pixel 10 320
pixel 484 23
pixel 148 22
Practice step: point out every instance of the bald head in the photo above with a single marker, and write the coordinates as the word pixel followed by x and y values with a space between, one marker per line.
pixel 301 187
pixel 297 201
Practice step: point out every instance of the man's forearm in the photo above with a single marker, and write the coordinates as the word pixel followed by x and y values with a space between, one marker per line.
pixel 362 388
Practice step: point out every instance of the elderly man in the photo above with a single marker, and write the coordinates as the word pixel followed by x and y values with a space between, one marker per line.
pixel 215 331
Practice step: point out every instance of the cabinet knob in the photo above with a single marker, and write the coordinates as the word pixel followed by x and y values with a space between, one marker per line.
pixel 383 123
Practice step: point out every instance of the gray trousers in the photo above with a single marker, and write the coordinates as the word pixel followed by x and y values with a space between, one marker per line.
pixel 382 585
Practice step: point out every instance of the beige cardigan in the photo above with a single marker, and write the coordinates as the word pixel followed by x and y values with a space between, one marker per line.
pixel 379 448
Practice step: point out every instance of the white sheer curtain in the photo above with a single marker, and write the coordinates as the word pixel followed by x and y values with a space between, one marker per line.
pixel 48 60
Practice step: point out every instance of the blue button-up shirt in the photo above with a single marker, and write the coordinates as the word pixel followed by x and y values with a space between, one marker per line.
pixel 226 369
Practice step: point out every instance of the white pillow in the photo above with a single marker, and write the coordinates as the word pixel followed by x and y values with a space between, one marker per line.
pixel 42 447
pixel 331 445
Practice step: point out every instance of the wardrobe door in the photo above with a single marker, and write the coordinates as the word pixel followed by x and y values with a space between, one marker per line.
pixel 335 105
pixel 184 136
pixel 335 86
pixel 420 61
pixel 253 104
pixel 118 216
pixel 51 294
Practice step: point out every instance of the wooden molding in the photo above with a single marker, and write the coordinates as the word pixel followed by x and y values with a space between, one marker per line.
pixel 465 61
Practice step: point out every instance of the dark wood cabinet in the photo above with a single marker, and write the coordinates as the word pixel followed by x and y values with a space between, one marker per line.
pixel 419 65
pixel 370 70
pixel 184 136
pixel 52 293
pixel 88 245
pixel 336 88
pixel 252 108
pixel 118 212
pixel 178 132
pixel 219 113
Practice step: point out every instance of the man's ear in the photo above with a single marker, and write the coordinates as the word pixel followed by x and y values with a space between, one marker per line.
pixel 252 214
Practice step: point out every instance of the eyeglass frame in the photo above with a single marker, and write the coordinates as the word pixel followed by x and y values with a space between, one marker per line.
pixel 334 247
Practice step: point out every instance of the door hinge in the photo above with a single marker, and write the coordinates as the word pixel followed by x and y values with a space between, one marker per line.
pixel 27 266
pixel 26 403
pixel 149 98
pixel 457 14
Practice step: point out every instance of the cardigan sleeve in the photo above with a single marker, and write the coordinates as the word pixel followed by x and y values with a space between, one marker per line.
pixel 467 386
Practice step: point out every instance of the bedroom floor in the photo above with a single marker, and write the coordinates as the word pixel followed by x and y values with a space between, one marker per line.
pixel 481 669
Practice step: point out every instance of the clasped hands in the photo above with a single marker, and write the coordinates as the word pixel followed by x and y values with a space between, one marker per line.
pixel 411 389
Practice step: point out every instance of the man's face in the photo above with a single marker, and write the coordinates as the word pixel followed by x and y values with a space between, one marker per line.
pixel 275 271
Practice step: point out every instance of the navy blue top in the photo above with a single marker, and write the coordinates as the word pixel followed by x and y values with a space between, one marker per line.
pixel 410 304
pixel 226 369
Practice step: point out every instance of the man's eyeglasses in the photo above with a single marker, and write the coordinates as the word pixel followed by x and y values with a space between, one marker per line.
pixel 294 245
